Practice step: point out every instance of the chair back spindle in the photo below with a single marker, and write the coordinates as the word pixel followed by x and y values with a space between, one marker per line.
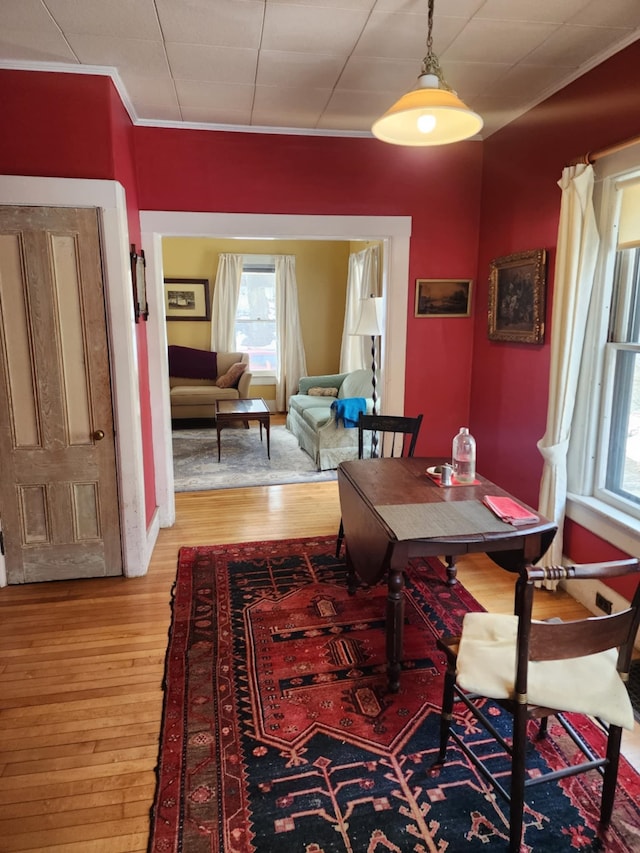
pixel 396 435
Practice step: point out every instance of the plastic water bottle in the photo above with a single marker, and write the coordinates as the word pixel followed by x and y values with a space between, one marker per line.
pixel 464 456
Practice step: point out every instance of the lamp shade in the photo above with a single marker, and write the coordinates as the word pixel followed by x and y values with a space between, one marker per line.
pixel 370 319
pixel 427 115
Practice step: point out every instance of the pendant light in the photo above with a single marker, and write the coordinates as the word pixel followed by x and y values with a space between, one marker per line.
pixel 431 113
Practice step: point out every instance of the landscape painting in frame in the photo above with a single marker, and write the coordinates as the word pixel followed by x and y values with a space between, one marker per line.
pixel 187 299
pixel 443 297
pixel 517 297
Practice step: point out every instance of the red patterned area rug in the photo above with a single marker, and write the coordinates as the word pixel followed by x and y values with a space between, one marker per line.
pixel 279 733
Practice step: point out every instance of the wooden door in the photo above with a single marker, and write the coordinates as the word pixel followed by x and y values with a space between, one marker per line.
pixel 58 487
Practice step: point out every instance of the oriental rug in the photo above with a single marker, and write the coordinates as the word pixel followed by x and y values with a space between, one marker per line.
pixel 279 733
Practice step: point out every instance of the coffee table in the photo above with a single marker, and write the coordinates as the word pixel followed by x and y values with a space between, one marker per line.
pixel 245 410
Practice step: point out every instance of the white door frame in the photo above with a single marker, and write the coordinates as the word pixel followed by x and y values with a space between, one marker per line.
pixel 393 231
pixel 109 197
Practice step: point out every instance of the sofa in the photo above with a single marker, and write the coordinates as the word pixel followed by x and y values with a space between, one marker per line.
pixel 311 418
pixel 197 378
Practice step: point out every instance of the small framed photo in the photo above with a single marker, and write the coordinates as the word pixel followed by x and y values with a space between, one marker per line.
pixel 517 285
pixel 443 297
pixel 139 283
pixel 187 299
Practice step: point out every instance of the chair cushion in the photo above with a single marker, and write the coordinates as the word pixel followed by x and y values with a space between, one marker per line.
pixel 200 395
pixel 319 391
pixel 586 685
pixel 301 402
pixel 231 378
pixel 317 417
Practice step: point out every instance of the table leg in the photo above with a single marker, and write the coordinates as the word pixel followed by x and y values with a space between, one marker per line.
pixel 267 424
pixel 218 433
pixel 352 578
pixel 451 570
pixel 519 592
pixel 395 627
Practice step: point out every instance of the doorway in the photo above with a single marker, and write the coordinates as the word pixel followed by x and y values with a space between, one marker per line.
pixel 109 198
pixel 393 232
pixel 58 490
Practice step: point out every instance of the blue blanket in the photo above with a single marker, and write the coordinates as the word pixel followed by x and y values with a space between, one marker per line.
pixel 348 410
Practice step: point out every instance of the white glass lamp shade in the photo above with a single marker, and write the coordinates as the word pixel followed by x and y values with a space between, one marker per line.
pixel 427 115
pixel 370 319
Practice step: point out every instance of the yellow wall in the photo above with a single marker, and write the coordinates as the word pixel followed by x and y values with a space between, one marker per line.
pixel 321 270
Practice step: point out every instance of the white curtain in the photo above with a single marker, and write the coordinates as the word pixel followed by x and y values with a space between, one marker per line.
pixel 577 251
pixel 225 303
pixel 362 281
pixel 291 359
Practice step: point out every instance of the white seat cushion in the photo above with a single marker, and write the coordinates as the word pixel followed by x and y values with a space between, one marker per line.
pixel 587 685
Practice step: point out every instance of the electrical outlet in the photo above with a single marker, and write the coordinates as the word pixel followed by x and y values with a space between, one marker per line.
pixel 603 603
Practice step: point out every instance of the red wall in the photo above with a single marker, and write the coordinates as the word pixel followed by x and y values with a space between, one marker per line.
pixel 469 203
pixel 124 170
pixel 438 188
pixel 520 211
pixel 60 125
pixel 75 126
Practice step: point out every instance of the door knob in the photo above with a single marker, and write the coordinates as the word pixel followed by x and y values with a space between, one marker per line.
pixel 98 435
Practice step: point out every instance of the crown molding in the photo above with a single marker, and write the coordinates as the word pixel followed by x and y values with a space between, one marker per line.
pixel 109 71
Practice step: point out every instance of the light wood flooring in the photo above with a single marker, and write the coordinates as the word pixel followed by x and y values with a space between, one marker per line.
pixel 81 666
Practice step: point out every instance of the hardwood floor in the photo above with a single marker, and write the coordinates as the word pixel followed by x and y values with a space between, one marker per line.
pixel 81 667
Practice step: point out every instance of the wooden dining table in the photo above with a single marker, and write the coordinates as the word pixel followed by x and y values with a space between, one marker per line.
pixel 392 511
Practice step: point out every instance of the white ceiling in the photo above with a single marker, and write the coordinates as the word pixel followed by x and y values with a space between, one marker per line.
pixel 315 65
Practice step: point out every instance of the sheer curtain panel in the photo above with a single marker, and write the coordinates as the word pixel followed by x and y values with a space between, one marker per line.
pixel 291 358
pixel 225 302
pixel 362 281
pixel 577 252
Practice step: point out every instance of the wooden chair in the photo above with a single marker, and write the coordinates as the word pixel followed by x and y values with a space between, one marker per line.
pixel 492 647
pixel 390 435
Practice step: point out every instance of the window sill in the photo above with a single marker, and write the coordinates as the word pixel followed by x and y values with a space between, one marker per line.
pixel 605 521
pixel 262 379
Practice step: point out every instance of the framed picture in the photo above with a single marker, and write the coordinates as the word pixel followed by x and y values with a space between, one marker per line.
pixel 517 286
pixel 139 283
pixel 443 297
pixel 187 299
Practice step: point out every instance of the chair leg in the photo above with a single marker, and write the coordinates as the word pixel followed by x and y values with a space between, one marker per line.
pixel 339 540
pixel 610 774
pixel 518 760
pixel 447 711
pixel 451 570
pixel 542 728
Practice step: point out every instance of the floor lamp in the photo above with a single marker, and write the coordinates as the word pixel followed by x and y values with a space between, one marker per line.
pixel 370 324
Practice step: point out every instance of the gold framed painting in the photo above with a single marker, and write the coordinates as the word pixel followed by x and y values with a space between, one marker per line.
pixel 517 292
pixel 443 297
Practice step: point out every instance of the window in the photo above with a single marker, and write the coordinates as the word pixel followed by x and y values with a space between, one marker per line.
pixel 604 452
pixel 619 445
pixel 256 316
